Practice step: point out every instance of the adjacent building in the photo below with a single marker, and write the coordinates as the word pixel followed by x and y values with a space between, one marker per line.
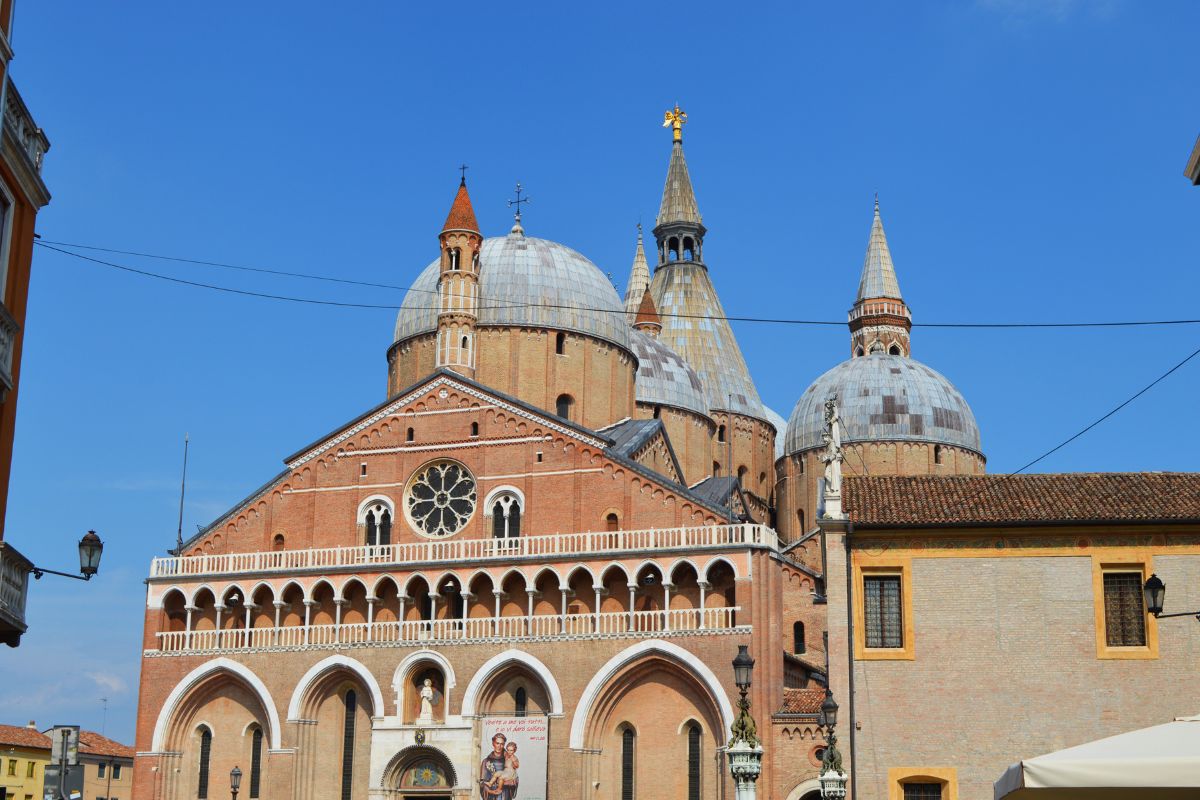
pixel 23 145
pixel 977 620
pixel 24 754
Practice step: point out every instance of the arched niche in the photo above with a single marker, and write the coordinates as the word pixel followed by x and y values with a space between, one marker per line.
pixel 494 687
pixel 418 771
pixel 410 677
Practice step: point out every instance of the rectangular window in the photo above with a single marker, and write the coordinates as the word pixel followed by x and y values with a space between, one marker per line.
pixel 1124 614
pixel 12 767
pixel 29 769
pixel 100 770
pixel 883 611
pixel 116 772
pixel 922 791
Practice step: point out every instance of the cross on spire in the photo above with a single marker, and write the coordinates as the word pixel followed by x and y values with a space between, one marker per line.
pixel 463 169
pixel 518 201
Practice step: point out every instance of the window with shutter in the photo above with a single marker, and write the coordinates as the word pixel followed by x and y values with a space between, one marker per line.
pixel 1124 613
pixel 883 614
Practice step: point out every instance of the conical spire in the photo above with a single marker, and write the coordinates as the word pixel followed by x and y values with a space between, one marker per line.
pixel 462 215
pixel 878 272
pixel 639 278
pixel 678 200
pixel 647 319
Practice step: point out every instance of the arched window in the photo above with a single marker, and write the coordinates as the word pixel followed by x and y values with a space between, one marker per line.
pixel 377 523
pixel 687 248
pixel 560 341
pixel 408 435
pixel 693 761
pixel 937 454
pixel 894 350
pixel 657 412
pixel 256 743
pixel 858 352
pixel 612 522
pixel 348 745
pixel 742 470
pixel 475 262
pixel 466 343
pixel 278 542
pixel 628 740
pixel 506 516
pixel 453 253
pixel 520 702
pixel 673 249
pixel 474 428
pixel 803 529
pixel 720 433
pixel 716 468
pixel 205 755
pixel 562 406
pixel 798 645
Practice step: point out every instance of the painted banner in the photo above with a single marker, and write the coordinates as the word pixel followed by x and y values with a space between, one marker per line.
pixel 513 758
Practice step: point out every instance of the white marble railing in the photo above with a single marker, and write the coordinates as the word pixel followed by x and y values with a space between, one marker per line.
pixel 448 631
pixel 14 583
pixel 8 340
pixel 17 118
pixel 460 550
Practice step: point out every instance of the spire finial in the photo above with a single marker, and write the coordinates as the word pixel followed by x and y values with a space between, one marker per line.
pixel 877 203
pixel 675 119
pixel 463 169
pixel 517 202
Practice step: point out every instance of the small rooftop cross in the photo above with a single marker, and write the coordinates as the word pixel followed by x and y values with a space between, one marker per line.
pixel 463 169
pixel 518 201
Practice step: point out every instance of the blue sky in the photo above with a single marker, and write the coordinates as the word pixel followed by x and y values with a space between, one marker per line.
pixel 1028 157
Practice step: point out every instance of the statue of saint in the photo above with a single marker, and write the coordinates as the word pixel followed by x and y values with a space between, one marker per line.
pixel 426 702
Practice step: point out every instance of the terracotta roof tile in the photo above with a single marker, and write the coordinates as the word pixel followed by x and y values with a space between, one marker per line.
pixel 802 701
pixel 21 736
pixel 93 743
pixel 1024 499
pixel 647 314
pixel 462 215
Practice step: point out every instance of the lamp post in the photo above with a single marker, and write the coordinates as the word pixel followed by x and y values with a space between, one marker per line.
pixel 235 781
pixel 1155 592
pixel 744 750
pixel 832 778
pixel 90 549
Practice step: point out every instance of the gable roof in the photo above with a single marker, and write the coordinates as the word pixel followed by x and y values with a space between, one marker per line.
pixel 1084 497
pixel 22 736
pixel 630 435
pixel 92 743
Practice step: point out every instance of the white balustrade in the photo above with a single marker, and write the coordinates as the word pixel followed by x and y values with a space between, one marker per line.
pixel 677 621
pixel 460 550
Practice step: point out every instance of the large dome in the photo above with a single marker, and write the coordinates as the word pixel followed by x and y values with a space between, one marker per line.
pixel 664 377
pixel 527 281
pixel 884 398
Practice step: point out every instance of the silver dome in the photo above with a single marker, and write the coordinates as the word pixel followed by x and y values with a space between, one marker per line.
pixel 663 377
pixel 884 398
pixel 527 281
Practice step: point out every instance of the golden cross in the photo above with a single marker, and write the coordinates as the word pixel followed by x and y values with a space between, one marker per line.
pixel 675 119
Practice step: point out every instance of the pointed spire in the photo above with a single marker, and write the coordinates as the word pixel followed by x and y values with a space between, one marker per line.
pixel 462 215
pixel 647 319
pixel 678 200
pixel 639 278
pixel 878 272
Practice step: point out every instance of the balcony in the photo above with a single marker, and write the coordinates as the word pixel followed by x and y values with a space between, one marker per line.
pixel 464 551
pixel 19 122
pixel 8 341
pixel 14 587
pixel 422 633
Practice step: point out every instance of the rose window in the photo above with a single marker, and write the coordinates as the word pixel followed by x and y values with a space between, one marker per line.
pixel 441 498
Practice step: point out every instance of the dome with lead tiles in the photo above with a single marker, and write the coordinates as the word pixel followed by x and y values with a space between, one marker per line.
pixel 663 377
pixel 524 281
pixel 882 398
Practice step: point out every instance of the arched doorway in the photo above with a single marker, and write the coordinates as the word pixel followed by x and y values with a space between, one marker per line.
pixel 420 773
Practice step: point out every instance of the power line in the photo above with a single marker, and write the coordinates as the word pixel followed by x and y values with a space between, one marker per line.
pixel 50 245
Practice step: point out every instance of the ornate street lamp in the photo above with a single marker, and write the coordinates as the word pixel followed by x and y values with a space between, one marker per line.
pixel 235 781
pixel 90 549
pixel 1156 594
pixel 832 777
pixel 745 751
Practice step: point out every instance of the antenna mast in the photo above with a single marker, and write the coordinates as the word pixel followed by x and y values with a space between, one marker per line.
pixel 182 486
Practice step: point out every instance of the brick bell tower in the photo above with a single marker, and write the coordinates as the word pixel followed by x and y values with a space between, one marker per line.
pixel 880 321
pixel 458 286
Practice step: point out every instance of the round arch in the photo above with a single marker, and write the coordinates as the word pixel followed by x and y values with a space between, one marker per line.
pixel 672 652
pixel 392 773
pixel 804 788
pixel 499 490
pixel 201 673
pixel 327 665
pixel 361 516
pixel 497 663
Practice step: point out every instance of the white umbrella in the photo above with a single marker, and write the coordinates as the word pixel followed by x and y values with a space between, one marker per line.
pixel 1158 763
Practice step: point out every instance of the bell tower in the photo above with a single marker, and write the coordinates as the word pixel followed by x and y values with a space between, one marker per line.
pixel 458 286
pixel 680 231
pixel 880 321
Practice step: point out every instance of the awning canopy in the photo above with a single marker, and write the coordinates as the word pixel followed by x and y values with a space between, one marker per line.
pixel 1158 763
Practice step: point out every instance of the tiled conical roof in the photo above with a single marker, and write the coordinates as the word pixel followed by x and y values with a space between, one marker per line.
pixel 639 278
pixel 678 200
pixel 647 314
pixel 878 273
pixel 462 216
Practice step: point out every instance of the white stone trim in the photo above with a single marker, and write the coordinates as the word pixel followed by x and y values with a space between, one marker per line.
pixel 411 660
pixel 495 663
pixel 417 448
pixel 371 500
pixel 325 665
pixel 195 677
pixel 503 489
pixel 392 409
pixel 547 473
pixel 398 484
pixel 810 785
pixel 685 658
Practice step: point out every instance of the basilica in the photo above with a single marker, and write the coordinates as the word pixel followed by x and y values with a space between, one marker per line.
pixel 525 573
